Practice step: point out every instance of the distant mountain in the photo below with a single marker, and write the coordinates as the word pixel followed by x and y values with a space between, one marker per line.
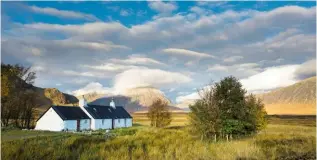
pixel 185 104
pixel 146 95
pixel 299 98
pixel 135 99
pixel 92 96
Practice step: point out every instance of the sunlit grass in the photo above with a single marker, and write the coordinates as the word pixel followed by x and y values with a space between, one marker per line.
pixel 282 139
pixel 143 142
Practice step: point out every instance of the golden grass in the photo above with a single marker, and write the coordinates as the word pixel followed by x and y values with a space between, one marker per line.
pixel 294 109
pixel 178 119
pixel 275 142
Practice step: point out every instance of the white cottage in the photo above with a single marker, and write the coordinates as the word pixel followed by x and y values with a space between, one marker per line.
pixel 59 118
pixel 106 117
pixel 84 117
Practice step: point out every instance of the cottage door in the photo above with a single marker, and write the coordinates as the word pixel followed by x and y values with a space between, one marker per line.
pixel 113 123
pixel 78 125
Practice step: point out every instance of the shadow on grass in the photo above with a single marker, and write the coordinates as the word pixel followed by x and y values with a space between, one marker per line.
pixel 175 127
pixel 137 125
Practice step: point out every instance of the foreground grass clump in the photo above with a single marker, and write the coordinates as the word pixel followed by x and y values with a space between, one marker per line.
pixel 276 142
pixel 144 144
pixel 287 147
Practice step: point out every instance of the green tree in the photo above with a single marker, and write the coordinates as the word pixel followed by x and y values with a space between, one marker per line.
pixel 159 114
pixel 205 115
pixel 224 108
pixel 230 97
pixel 257 114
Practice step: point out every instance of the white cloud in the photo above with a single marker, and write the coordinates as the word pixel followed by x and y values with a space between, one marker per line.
pixel 185 100
pixel 189 97
pixel 138 59
pixel 222 4
pixel 112 67
pixel 34 51
pixel 268 36
pixel 88 29
pixel 218 67
pixel 184 52
pixel 238 70
pixel 148 77
pixel 92 87
pixel 83 74
pixel 271 78
pixel 233 59
pixel 164 8
pixel 141 13
pixel 198 10
pixel 126 12
pixel 63 13
pixel 306 70
pixel 38 68
pixel 106 46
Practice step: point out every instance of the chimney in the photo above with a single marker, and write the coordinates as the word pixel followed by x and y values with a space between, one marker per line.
pixel 112 104
pixel 83 102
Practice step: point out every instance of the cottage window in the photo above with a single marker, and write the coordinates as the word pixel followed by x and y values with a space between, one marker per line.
pixel 86 121
pixel 119 120
pixel 103 121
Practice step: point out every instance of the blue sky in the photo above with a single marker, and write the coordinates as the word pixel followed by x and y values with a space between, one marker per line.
pixel 177 47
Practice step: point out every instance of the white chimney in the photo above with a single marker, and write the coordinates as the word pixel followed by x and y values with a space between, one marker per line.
pixel 83 102
pixel 112 104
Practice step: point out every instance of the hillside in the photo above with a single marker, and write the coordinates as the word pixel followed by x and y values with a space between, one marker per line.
pixel 46 97
pixel 299 98
pixel 91 96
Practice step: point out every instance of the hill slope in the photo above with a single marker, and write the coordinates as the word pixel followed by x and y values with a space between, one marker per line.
pixel 299 98
pixel 45 97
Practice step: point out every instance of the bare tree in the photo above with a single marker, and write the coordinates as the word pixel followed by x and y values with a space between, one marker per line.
pixel 159 114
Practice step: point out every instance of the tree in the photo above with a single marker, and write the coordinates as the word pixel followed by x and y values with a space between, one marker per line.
pixel 229 96
pixel 159 114
pixel 224 108
pixel 205 114
pixel 256 113
pixel 15 102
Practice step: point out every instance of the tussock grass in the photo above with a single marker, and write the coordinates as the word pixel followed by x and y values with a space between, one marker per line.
pixel 141 142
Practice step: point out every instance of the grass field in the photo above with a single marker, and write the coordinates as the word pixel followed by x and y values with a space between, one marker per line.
pixel 181 119
pixel 178 119
pixel 282 139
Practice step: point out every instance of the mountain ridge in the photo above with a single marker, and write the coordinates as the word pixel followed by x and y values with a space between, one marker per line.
pixel 299 98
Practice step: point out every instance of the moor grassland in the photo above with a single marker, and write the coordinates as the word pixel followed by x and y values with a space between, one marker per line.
pixel 280 140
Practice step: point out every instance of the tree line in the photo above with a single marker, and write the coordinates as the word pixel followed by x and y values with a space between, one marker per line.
pixel 18 99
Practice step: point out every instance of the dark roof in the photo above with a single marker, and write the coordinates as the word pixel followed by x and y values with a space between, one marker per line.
pixel 70 113
pixel 107 112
